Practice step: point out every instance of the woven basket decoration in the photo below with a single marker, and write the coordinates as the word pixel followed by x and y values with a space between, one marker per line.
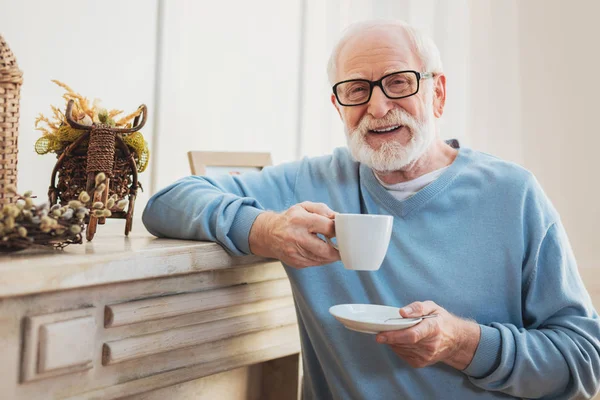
pixel 100 149
pixel 11 79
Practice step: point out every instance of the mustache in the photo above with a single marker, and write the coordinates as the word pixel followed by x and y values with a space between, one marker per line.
pixel 393 117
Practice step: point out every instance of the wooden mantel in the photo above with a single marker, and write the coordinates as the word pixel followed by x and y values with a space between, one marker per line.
pixel 145 317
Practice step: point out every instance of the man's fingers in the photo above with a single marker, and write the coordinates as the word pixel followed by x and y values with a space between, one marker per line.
pixel 321 251
pixel 409 336
pixel 407 350
pixel 322 225
pixel 305 258
pixel 419 308
pixel 318 208
pixel 298 242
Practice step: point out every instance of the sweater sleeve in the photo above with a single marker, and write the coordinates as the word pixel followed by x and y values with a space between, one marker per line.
pixel 557 352
pixel 220 209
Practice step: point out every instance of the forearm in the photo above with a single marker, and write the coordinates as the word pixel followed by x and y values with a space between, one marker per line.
pixel 222 208
pixel 259 235
pixel 193 208
pixel 536 363
pixel 468 339
pixel 556 354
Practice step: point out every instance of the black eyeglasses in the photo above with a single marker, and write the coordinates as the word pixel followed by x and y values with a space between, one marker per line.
pixel 397 85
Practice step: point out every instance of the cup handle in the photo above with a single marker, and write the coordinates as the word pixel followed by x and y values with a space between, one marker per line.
pixel 332 244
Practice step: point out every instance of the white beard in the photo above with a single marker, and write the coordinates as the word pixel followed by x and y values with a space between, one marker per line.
pixel 392 155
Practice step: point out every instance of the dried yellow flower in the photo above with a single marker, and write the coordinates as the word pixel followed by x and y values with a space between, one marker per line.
pixel 9 223
pixel 75 204
pixel 12 210
pixel 46 220
pixel 84 197
pixel 122 204
pixel 101 177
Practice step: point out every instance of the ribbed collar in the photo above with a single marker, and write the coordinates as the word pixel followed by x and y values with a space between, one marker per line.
pixel 405 207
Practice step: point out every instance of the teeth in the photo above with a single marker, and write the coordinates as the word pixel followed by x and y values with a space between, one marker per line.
pixel 391 128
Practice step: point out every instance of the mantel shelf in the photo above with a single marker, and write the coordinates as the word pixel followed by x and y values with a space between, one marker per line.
pixel 110 258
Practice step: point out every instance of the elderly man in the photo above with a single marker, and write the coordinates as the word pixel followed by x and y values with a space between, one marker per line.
pixel 475 240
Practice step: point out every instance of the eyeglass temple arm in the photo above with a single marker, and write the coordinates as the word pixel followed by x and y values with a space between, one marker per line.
pixel 426 75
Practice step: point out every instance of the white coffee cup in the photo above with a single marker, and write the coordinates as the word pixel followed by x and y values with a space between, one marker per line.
pixel 362 239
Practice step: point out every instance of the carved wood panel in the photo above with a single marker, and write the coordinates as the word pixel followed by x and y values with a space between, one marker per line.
pixel 118 340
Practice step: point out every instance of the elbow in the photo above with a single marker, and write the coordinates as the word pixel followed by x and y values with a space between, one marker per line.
pixel 587 376
pixel 154 214
pixel 150 219
pixel 593 387
pixel 593 368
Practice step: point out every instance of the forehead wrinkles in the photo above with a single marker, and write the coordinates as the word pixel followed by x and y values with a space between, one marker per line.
pixel 373 61
pixel 392 41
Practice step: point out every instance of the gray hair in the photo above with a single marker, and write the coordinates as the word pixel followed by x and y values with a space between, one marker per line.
pixel 423 45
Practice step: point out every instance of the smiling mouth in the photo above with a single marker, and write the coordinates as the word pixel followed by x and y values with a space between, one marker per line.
pixel 389 129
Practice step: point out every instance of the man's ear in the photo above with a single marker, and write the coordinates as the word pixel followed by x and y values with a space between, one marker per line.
pixel 336 105
pixel 439 95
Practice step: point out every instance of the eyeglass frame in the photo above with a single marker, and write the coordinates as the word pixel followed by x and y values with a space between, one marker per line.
pixel 372 84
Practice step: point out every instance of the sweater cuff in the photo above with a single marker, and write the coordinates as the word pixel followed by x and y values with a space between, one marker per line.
pixel 240 228
pixel 487 355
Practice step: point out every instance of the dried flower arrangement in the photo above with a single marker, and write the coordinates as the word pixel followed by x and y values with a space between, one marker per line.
pixel 24 225
pixel 58 134
pixel 88 140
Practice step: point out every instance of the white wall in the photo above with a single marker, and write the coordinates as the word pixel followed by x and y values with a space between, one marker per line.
pixel 102 50
pixel 559 55
pixel 534 99
pixel 495 90
pixel 228 81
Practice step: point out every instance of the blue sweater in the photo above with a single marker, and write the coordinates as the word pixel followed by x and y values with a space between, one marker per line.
pixel 482 241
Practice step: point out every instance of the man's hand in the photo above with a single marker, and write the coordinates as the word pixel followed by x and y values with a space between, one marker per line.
pixel 446 338
pixel 292 236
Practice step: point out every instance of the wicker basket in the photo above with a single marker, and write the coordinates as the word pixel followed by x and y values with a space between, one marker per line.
pixel 11 79
pixel 99 149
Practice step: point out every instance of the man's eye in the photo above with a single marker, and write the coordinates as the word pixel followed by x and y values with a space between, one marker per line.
pixel 357 89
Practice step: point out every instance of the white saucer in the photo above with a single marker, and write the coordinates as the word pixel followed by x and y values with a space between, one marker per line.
pixel 370 318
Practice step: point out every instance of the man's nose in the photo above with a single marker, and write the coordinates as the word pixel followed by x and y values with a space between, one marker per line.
pixel 379 105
